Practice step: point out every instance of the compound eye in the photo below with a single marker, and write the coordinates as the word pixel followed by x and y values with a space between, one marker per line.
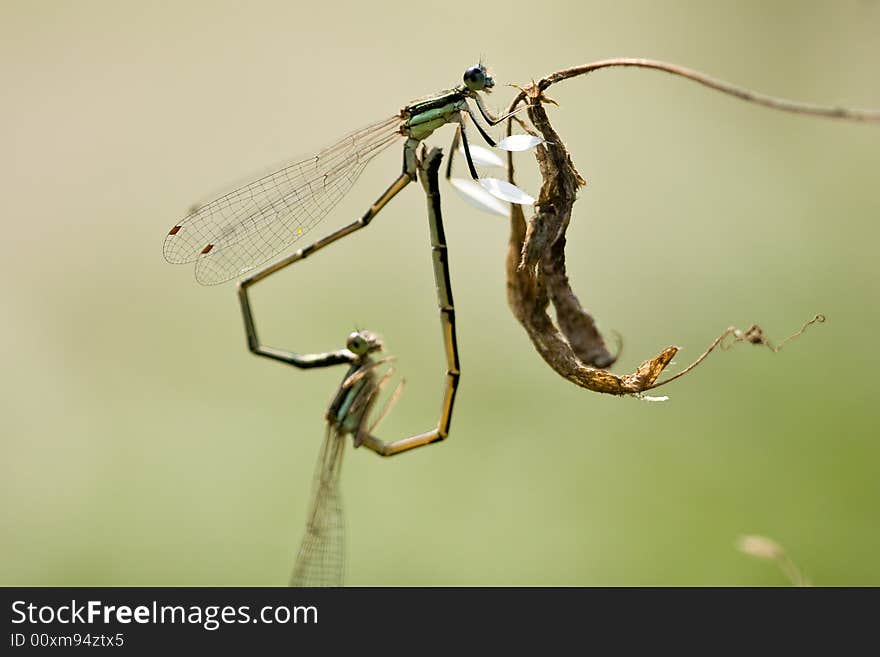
pixel 357 344
pixel 475 78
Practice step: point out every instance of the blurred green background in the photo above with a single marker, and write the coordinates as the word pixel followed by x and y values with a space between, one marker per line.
pixel 143 444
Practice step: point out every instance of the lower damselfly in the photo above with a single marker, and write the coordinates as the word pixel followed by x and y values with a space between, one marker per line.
pixel 252 224
pixel 321 557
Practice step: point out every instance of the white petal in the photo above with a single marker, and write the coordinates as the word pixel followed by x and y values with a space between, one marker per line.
pixel 479 197
pixel 519 142
pixel 484 157
pixel 506 192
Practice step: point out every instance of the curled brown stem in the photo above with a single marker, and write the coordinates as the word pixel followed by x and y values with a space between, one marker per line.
pixel 536 273
pixel 528 297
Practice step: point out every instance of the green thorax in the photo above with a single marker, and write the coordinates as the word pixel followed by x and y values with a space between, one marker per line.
pixel 424 116
pixel 351 404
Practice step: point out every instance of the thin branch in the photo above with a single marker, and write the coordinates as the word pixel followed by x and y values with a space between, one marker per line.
pixel 754 335
pixel 781 104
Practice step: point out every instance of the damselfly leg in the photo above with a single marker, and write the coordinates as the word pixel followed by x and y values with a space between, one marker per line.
pixel 307 360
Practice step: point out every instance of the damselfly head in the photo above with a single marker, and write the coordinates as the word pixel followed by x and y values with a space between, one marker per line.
pixel 476 78
pixel 363 342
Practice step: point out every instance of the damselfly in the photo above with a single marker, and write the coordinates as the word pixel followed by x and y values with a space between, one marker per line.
pixel 252 224
pixel 321 556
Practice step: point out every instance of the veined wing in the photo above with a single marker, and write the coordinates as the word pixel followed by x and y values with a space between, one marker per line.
pixel 253 223
pixel 321 557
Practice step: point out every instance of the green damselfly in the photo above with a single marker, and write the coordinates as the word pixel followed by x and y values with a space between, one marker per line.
pixel 321 557
pixel 252 224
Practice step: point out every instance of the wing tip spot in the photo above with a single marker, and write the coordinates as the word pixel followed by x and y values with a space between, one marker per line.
pixel 175 230
pixel 207 249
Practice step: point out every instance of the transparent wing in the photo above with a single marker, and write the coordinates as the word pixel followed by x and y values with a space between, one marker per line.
pixel 253 223
pixel 321 557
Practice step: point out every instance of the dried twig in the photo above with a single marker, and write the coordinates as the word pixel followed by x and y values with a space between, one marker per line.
pixel 536 273
pixel 772 102
pixel 754 335
pixel 528 299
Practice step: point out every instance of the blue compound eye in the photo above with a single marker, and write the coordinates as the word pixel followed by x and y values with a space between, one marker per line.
pixel 475 78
